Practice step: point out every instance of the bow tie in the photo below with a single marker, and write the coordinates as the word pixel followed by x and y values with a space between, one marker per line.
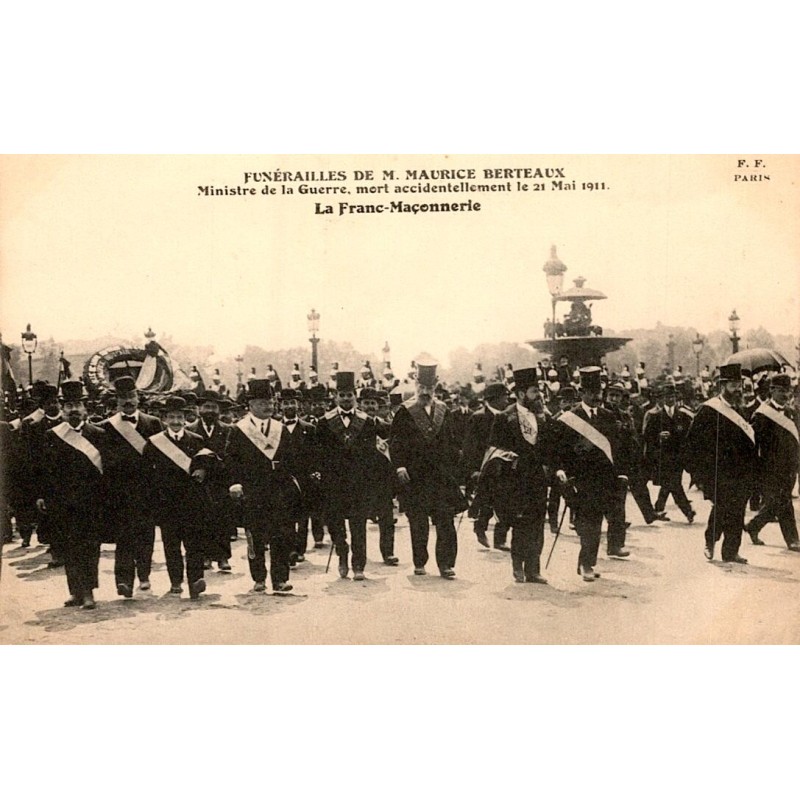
pixel 348 414
pixel 126 418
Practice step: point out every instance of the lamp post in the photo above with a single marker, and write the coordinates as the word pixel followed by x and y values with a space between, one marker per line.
pixel 313 328
pixel 554 269
pixel 29 342
pixel 733 321
pixel 697 345
pixel 239 373
pixel 671 352
pixel 386 350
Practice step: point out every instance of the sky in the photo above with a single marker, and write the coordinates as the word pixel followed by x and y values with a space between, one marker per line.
pixel 109 245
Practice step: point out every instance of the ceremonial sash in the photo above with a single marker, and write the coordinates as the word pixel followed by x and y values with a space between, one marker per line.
pixel 128 432
pixel 15 424
pixel 423 419
pixel 35 416
pixel 686 411
pixel 588 431
pixel 165 445
pixel 337 424
pixel 267 442
pixel 779 419
pixel 740 422
pixel 74 439
pixel 497 452
pixel 382 446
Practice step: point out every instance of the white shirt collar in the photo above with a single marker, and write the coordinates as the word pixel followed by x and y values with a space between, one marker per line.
pixel 175 436
pixel 590 412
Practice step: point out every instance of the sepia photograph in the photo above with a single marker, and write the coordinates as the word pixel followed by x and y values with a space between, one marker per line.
pixel 400 399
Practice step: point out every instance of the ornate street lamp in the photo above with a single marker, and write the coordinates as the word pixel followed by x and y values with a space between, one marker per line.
pixel 671 351
pixel 239 373
pixel 29 342
pixel 313 328
pixel 733 319
pixel 387 352
pixel 554 269
pixel 697 345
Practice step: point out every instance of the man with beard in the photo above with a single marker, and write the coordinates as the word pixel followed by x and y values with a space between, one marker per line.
pixel 346 439
pixel 778 447
pixel 73 492
pixel 521 436
pixel 131 522
pixel 476 440
pixel 217 516
pixel 178 462
pixel 261 474
pixel 425 455
pixel 720 455
pixel 588 452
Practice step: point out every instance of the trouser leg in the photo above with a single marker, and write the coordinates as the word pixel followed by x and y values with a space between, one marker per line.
pixel 419 527
pixel 358 537
pixel 730 520
pixel 256 554
pixel 195 551
pixel 661 500
pixel 641 496
pixel 173 554
pixel 280 538
pixel 588 523
pixel 386 532
pixel 500 532
pixel 338 532
pixel 616 519
pixel 143 549
pixel 124 558
pixel 679 495
pixel 446 540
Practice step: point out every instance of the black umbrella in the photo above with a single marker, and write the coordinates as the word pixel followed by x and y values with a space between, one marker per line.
pixel 758 359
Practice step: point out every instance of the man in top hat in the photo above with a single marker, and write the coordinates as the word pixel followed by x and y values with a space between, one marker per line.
pixel 720 454
pixel 425 455
pixel 588 453
pixel 303 452
pixel 476 440
pixel 567 397
pixel 261 473
pixel 73 492
pixel 346 444
pixel 521 437
pixel 665 431
pixel 778 451
pixel 131 522
pixel 218 513
pixel 178 462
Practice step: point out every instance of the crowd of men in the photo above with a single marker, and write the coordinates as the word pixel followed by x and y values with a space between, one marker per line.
pixel 280 462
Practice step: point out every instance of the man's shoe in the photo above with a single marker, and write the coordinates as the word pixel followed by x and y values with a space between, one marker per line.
pixel 72 602
pixel 300 558
pixel 88 602
pixel 538 579
pixel 25 543
pixel 690 517
pixel 661 516
pixel 519 574
pixel 124 590
pixel 144 586
pixel 504 547
pixel 319 545
pixel 197 588
pixel 795 546
pixel 343 568
pixel 282 588
pixel 259 586
pixel 176 588
pixel 207 563
pixel 293 559
pixel 737 559
pixel 587 573
pixel 223 565
pixel 420 571
pixel 391 561
pixel 482 540
pixel 358 575
pixel 754 539
pixel 619 553
pixel 708 552
pixel 55 564
pixel 448 574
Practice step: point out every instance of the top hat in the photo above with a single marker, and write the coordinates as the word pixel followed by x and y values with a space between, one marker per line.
pixel 781 381
pixel 730 372
pixel 494 391
pixel 426 373
pixel 525 378
pixel 591 379
pixel 567 392
pixel 259 389
pixel 124 386
pixel 345 382
pixel 73 391
pixel 174 403
pixel 208 396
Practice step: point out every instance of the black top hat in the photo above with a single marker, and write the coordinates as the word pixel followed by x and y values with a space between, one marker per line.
pixel 208 396
pixel 345 382
pixel 174 403
pixel 525 378
pixel 495 391
pixel 426 373
pixel 124 386
pixel 781 381
pixel 72 391
pixel 730 372
pixel 567 393
pixel 259 389
pixel 591 379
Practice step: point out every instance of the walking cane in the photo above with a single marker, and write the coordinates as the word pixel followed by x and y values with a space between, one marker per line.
pixel 558 533
pixel 330 556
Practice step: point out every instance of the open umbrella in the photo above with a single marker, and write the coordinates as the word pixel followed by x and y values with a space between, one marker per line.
pixel 758 359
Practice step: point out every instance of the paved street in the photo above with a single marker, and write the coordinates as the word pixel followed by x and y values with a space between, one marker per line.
pixel 665 593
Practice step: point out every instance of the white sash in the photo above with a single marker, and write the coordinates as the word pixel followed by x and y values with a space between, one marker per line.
pixel 497 452
pixel 74 439
pixel 164 444
pixel 267 442
pixel 128 432
pixel 35 416
pixel 779 419
pixel 382 446
pixel 15 424
pixel 588 431
pixel 727 412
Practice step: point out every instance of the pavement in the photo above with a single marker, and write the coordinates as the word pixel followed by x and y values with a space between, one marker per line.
pixel 665 593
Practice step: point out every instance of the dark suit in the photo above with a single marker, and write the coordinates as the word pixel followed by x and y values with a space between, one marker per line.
pixel 778 459
pixel 272 500
pixel 346 458
pixel 522 486
pixel 382 481
pixel 75 492
pixel 218 513
pixel 596 479
pixel 720 455
pixel 177 501
pixel 131 521
pixel 426 446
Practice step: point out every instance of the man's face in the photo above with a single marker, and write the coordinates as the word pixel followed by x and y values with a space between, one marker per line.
pixel 592 397
pixel 565 403
pixel 732 392
pixel 289 408
pixel 498 402
pixel 51 407
pixel 531 398
pixel 319 408
pixel 780 395
pixel 383 410
pixel 261 407
pixel 746 391
pixel 345 400
pixel 209 412
pixel 424 393
pixel 175 420
pixel 128 403
pixel 370 406
pixel 669 400
pixel 190 414
pixel 75 412
pixel 613 398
